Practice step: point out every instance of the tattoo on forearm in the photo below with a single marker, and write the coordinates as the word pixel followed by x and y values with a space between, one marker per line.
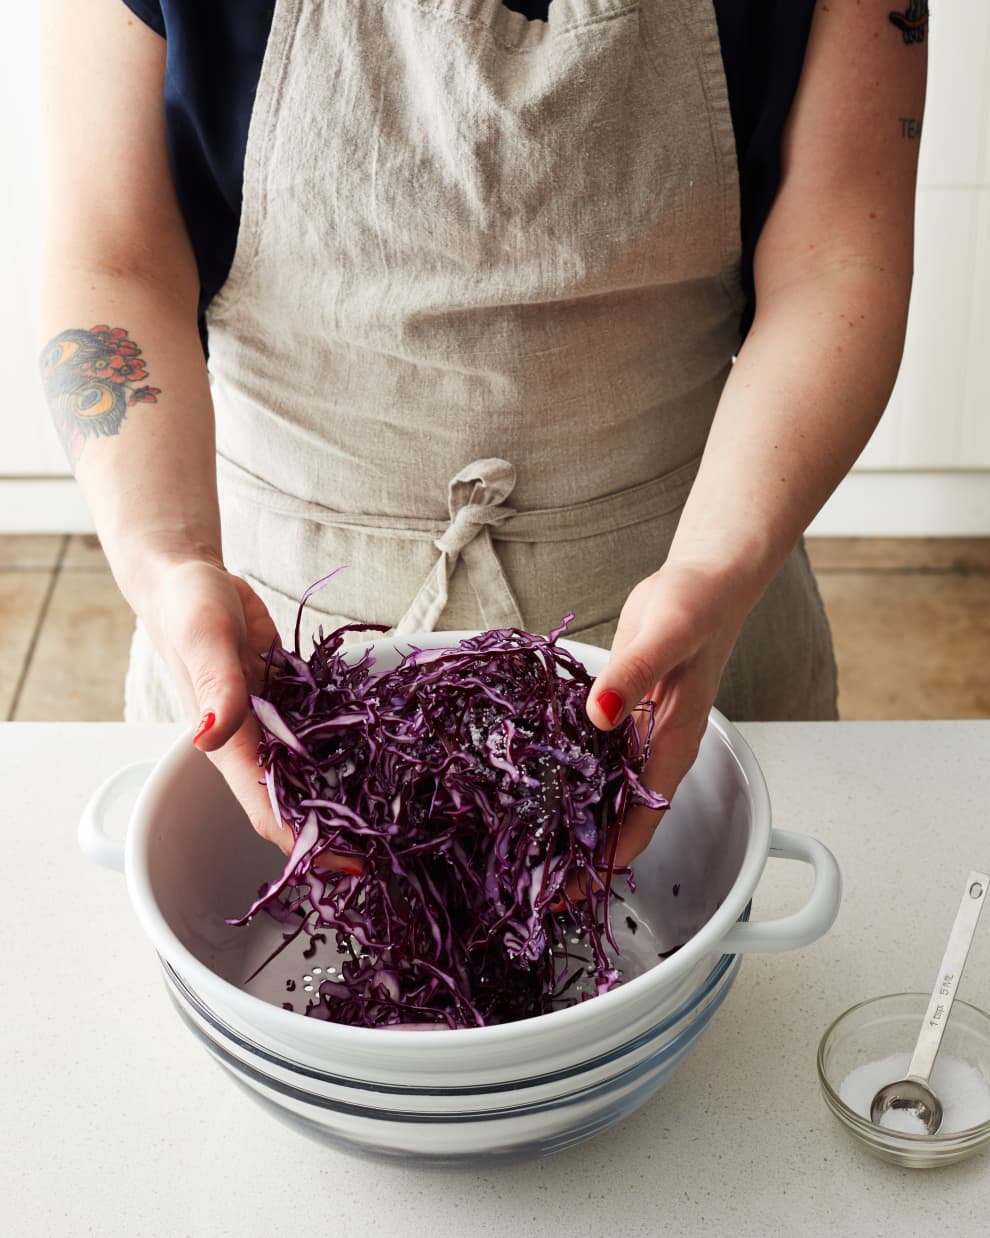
pixel 90 379
pixel 910 127
pixel 913 22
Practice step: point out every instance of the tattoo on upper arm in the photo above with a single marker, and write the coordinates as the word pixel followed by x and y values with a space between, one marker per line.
pixel 913 22
pixel 90 379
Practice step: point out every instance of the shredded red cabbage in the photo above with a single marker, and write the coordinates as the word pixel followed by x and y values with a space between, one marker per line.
pixel 470 787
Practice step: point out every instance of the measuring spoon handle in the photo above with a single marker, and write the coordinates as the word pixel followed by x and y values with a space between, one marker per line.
pixel 949 974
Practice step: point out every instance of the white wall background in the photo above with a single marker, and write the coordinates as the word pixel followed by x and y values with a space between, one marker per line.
pixel 27 444
pixel 927 468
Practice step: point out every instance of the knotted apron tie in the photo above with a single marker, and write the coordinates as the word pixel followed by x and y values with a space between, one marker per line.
pixel 475 502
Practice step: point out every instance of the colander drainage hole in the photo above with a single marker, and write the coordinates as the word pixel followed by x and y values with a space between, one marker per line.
pixel 311 979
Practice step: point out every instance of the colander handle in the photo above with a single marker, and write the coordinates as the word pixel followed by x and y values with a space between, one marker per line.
pixel 805 926
pixel 95 838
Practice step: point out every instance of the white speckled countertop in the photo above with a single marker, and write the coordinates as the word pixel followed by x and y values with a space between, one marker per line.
pixel 115 1122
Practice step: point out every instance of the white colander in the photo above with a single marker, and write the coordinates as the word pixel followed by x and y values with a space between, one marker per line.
pixel 191 861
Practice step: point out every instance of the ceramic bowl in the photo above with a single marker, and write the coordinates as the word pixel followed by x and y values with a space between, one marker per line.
pixel 518 1089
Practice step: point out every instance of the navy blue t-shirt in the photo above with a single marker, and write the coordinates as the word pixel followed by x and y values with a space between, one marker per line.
pixel 214 61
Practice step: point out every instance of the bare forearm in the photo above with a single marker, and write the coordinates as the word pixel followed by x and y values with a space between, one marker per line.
pixel 810 383
pixel 131 402
pixel 832 271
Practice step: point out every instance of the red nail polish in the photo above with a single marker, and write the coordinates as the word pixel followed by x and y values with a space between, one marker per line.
pixel 351 870
pixel 557 905
pixel 205 723
pixel 610 703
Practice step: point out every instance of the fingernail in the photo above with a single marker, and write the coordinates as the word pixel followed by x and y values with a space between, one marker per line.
pixel 610 703
pixel 351 870
pixel 557 906
pixel 205 723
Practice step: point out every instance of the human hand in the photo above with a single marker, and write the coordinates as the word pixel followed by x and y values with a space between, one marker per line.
pixel 212 630
pixel 674 637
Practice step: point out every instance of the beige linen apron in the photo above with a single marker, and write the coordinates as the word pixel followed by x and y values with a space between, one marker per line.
pixel 484 300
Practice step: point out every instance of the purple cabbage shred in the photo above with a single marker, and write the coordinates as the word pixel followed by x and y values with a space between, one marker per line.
pixel 470 788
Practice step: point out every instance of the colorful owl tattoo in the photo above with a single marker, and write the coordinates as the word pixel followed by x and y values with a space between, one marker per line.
pixel 90 379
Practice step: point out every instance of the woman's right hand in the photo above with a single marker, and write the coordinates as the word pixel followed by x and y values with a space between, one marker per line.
pixel 212 630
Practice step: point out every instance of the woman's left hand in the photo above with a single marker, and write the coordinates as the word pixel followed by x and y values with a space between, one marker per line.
pixel 674 636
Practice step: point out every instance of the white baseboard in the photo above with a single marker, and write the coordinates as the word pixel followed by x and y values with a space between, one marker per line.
pixel 867 504
pixel 43 505
pixel 889 504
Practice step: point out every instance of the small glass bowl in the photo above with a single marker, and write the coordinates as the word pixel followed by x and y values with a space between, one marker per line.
pixel 883 1026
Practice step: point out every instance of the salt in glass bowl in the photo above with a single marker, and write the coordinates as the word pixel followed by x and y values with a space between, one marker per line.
pixel 877 1029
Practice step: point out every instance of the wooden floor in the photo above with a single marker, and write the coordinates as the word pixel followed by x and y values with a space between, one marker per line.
pixel 910 618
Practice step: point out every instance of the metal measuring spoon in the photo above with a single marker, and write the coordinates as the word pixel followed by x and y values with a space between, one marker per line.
pixel 913 1092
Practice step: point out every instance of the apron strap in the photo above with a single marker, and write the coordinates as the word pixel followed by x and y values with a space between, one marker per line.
pixel 475 502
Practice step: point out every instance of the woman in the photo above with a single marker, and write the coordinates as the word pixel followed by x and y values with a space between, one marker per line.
pixel 475 339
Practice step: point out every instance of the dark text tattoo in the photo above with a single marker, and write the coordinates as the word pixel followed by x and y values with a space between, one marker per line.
pixel 913 22
pixel 91 378
pixel 910 127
